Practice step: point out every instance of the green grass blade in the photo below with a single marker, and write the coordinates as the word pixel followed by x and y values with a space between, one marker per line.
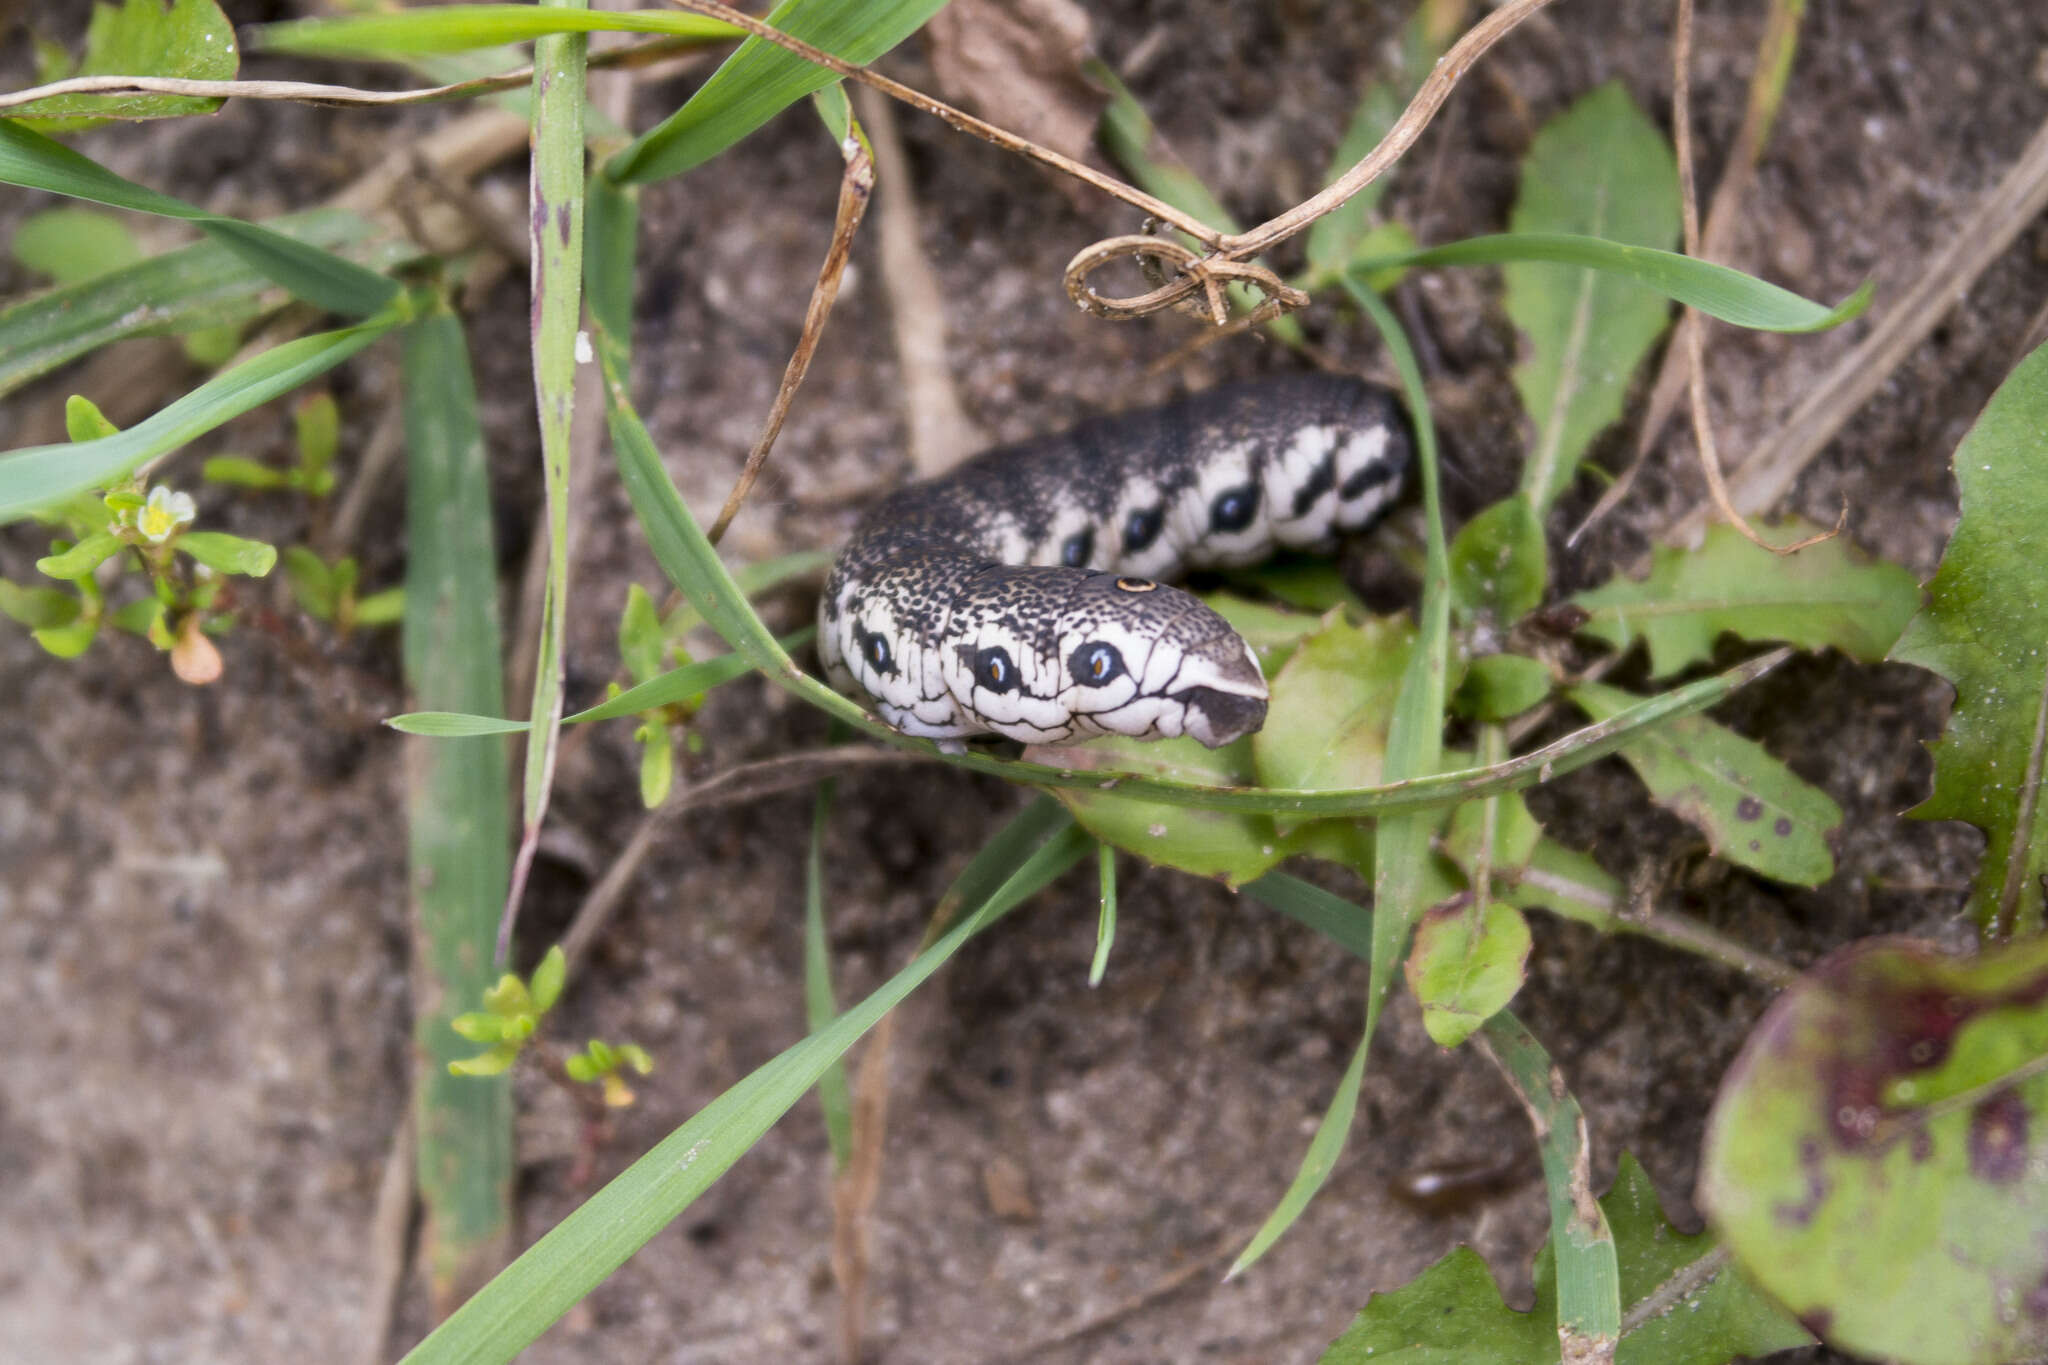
pixel 32 161
pixel 40 476
pixel 612 1224
pixel 820 1005
pixel 460 28
pixel 1401 841
pixel 1588 1274
pixel 759 80
pixel 455 724
pixel 194 287
pixel 1105 928
pixel 458 813
pixel 1328 914
pixel 557 216
pixel 1715 290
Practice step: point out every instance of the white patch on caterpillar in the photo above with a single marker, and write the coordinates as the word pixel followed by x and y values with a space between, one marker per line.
pixel 1286 474
pixel 1362 451
pixel 1160 558
pixel 1218 472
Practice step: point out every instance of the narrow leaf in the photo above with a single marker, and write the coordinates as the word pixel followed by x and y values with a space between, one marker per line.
pixel 759 80
pixel 183 38
pixel 42 476
pixel 32 161
pixel 461 28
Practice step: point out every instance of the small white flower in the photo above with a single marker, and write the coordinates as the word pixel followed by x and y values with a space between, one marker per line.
pixel 164 513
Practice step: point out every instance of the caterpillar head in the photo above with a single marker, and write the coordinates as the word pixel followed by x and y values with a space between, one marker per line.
pixel 1054 655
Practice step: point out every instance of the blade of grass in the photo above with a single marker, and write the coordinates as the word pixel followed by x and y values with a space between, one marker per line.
pixel 1715 290
pixel 457 810
pixel 1588 1275
pixel 192 287
pixel 691 563
pixel 332 282
pixel 1105 929
pixel 461 28
pixel 819 1003
pixel 612 1224
pixel 40 476
pixel 760 79
pixel 1401 842
pixel 556 193
pixel 677 684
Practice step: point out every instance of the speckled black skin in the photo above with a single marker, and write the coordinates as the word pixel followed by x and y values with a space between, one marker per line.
pixel 1015 595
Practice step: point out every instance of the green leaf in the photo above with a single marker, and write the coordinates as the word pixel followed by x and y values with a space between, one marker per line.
pixel 239 471
pixel 189 39
pixel 1826 595
pixel 32 161
pixel 1231 846
pixel 759 80
pixel 821 1003
pixel 381 608
pixel 143 617
pixel 1331 707
pixel 40 476
pixel 316 422
pixel 1873 1158
pixel 458 802
pixel 1984 629
pixel 37 607
pixel 72 246
pixel 81 559
pixel 686 683
pixel 70 640
pixel 1500 565
pixel 311 581
pixel 1715 290
pixel 1584 1261
pixel 1509 843
pixel 1753 809
pixel 1464 968
pixel 83 421
pixel 202 286
pixel 1452 1313
pixel 462 28
pixel 657 763
pixel 1500 686
pixel 641 643
pixel 573 1258
pixel 1603 170
pixel 229 554
pixel 545 985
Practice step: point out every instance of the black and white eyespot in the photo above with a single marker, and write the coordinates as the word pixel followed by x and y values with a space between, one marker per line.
pixel 1095 664
pixel 1141 527
pixel 874 648
pixel 1234 508
pixel 1077 548
pixel 994 670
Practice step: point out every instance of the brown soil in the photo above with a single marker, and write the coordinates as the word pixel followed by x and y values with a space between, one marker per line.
pixel 203 951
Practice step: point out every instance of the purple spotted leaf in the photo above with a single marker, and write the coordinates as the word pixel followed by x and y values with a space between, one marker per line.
pixel 1878 1159
pixel 1753 809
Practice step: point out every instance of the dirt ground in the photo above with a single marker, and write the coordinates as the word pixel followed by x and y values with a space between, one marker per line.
pixel 203 948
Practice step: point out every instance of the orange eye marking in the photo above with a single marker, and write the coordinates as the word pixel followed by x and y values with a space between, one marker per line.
pixel 1136 584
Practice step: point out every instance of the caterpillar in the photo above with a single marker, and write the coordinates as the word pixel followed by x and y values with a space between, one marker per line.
pixel 1021 594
